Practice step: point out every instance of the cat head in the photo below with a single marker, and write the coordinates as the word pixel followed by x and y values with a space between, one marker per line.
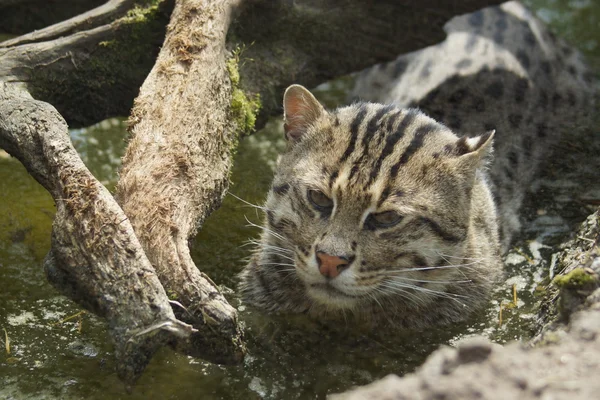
pixel 371 201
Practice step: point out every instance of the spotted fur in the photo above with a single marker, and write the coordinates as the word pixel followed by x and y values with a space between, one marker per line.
pixel 499 68
pixel 437 259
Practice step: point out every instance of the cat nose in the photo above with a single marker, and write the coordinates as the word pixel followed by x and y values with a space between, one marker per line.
pixel 331 266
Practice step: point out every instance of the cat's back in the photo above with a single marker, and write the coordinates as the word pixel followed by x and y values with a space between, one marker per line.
pixel 499 69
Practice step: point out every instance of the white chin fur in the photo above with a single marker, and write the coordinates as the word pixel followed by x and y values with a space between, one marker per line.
pixel 331 298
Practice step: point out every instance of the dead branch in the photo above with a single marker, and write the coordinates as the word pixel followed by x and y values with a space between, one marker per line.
pixel 22 16
pixel 177 162
pixel 95 257
pixel 102 15
pixel 92 74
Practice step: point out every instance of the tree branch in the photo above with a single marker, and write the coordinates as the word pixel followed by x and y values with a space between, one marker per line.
pixel 94 74
pixel 104 14
pixel 22 16
pixel 177 163
pixel 95 256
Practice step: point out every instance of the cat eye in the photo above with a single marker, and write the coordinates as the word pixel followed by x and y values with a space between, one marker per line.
pixel 384 219
pixel 319 200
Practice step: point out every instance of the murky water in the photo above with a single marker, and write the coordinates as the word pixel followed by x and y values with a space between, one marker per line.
pixel 56 351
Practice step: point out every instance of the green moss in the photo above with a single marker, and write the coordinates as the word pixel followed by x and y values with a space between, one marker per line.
pixel 243 108
pixel 577 278
pixel 232 69
pixel 540 291
pixel 140 13
pixel 549 339
pixel 172 295
pixel 77 87
pixel 106 43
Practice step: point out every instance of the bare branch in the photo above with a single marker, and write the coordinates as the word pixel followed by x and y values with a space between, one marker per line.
pixel 88 20
pixel 96 258
pixel 177 163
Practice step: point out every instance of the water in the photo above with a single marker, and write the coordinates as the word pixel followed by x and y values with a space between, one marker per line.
pixel 58 352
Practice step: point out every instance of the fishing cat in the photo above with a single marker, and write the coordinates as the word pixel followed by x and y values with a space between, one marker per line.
pixel 380 213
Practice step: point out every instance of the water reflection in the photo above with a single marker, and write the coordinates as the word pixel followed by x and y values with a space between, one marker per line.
pixel 101 147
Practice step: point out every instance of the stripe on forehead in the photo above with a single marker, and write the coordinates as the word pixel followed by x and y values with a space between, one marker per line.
pixel 354 129
pixel 415 144
pixel 406 119
pixel 372 127
pixel 403 157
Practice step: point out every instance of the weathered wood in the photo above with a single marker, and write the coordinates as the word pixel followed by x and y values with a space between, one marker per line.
pixel 102 15
pixel 22 16
pixel 177 163
pixel 280 43
pixel 95 257
pixel 92 74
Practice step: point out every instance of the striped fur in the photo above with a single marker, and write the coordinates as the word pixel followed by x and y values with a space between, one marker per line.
pixel 434 266
pixel 499 69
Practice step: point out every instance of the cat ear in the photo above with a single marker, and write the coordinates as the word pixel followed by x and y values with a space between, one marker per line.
pixel 472 152
pixel 300 110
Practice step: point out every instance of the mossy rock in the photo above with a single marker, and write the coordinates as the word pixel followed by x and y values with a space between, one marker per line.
pixel 579 278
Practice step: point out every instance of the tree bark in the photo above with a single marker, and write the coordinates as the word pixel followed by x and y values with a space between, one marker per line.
pixel 101 15
pixel 177 163
pixel 95 258
pixel 201 94
pixel 91 74
pixel 94 75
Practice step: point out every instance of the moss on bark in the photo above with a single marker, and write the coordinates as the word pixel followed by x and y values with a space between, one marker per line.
pixel 116 65
pixel 244 109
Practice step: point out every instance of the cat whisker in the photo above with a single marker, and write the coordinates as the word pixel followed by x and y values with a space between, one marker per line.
pixel 262 208
pixel 473 260
pixel 447 295
pixel 373 296
pixel 288 271
pixel 277 253
pixel 281 264
pixel 432 268
pixel 436 250
pixel 267 230
pixel 386 290
pixel 446 256
pixel 270 257
pixel 272 247
pixel 401 278
pixel 270 250
pixel 460 271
